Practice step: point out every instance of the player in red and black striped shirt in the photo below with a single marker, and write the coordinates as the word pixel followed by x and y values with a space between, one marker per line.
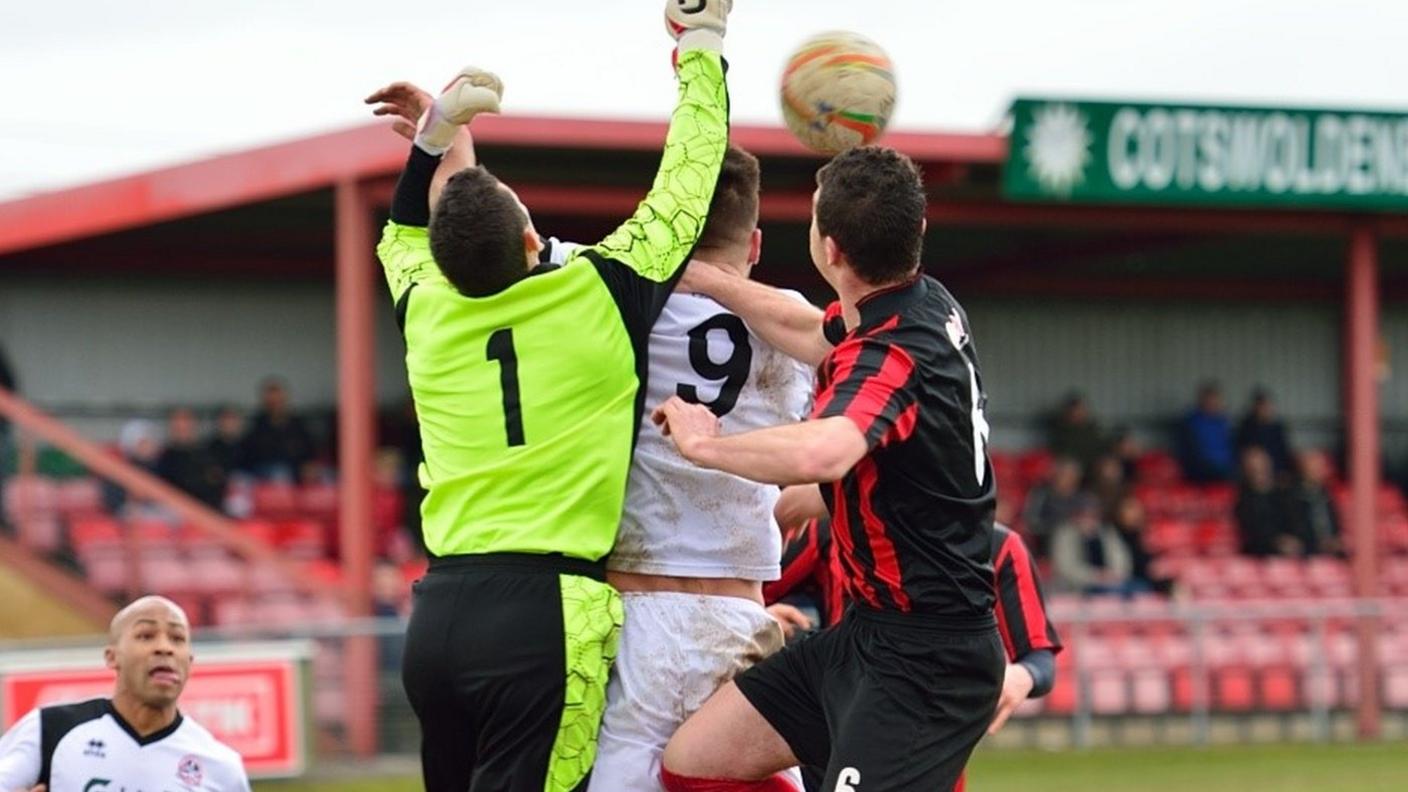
pixel 809 566
pixel 897 696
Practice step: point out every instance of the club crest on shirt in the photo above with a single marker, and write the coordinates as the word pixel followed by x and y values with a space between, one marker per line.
pixel 188 771
pixel 957 333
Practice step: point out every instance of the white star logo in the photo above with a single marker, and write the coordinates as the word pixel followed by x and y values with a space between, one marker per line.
pixel 1058 147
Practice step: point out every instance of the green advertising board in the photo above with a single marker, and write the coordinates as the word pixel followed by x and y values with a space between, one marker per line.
pixel 1131 153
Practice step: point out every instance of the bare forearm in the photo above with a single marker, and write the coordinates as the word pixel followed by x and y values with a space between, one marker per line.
pixel 806 453
pixel 779 319
pixel 460 156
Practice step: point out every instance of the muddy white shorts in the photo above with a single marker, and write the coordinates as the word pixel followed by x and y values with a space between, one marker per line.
pixel 675 651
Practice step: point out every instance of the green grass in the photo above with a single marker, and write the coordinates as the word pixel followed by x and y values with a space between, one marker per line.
pixel 1278 768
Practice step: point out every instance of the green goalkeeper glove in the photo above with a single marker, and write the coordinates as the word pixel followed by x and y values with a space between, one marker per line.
pixel 473 91
pixel 698 24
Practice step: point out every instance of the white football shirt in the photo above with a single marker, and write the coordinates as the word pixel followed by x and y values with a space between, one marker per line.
pixel 88 747
pixel 683 520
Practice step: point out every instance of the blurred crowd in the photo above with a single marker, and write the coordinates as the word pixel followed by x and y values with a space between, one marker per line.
pixel 1086 520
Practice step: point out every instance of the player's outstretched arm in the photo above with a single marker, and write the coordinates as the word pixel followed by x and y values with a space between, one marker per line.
pixel 804 453
pixel 408 104
pixel 788 324
pixel 405 242
pixel 641 259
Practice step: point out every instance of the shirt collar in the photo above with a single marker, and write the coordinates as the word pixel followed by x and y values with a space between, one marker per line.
pixel 878 306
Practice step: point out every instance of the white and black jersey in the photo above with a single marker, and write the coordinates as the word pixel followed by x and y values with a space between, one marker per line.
pixel 684 520
pixel 88 747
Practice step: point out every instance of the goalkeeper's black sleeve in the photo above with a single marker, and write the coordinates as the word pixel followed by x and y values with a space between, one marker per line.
pixel 410 206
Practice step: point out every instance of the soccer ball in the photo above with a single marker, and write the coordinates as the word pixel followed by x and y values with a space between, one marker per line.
pixel 838 92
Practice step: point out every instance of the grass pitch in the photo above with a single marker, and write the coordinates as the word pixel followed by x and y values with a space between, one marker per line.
pixel 1275 768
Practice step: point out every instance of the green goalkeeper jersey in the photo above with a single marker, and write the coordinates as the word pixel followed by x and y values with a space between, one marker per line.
pixel 529 400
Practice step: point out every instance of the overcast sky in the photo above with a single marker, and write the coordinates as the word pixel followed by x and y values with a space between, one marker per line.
pixel 98 88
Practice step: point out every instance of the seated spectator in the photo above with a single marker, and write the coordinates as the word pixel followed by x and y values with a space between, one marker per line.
pixel 1053 503
pixel 1263 516
pixel 1261 428
pixel 187 465
pixel 1315 518
pixel 1089 556
pixel 1075 434
pixel 278 443
pixel 1130 521
pixel 1205 439
pixel 226 444
pixel 1124 446
pixel 1107 484
pixel 138 444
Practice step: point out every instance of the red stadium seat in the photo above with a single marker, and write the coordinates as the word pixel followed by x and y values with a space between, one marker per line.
pixel 318 500
pixel 1234 689
pixel 1169 536
pixel 217 573
pixel 275 500
pixel 1062 698
pixel 1034 466
pixel 302 539
pixel 106 572
pixel 79 497
pixel 1109 692
pixel 41 532
pixel 1159 468
pixel 1280 688
pixel 1396 685
pixel 1151 694
pixel 94 534
pixel 261 531
pixel 26 496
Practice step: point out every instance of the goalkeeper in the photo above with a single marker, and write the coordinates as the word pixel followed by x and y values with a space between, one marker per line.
pixel 528 384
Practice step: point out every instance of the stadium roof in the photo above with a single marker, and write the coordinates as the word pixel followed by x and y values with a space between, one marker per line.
pixel 369 152
pixel 269 212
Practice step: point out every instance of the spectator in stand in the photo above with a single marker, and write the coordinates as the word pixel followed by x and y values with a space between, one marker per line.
pixel 1263 516
pixel 1089 556
pixel 1130 521
pixel 1075 434
pixel 278 443
pixel 1262 428
pixel 1124 446
pixel 1053 503
pixel 1205 439
pixel 138 444
pixel 226 444
pixel 1315 518
pixel 187 465
pixel 1107 484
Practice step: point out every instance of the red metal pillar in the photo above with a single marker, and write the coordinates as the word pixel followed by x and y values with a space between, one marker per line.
pixel 1361 375
pixel 356 444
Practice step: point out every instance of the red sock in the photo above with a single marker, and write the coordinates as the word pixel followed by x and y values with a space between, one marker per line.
pixel 679 783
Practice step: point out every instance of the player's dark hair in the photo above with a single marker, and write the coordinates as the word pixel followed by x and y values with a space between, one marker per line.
pixel 476 234
pixel 733 214
pixel 872 204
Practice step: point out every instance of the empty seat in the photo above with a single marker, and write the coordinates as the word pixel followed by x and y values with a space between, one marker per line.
pixel 302 539
pixel 1234 689
pixel 1150 691
pixel 82 496
pixel 94 534
pixel 274 499
pixel 1280 688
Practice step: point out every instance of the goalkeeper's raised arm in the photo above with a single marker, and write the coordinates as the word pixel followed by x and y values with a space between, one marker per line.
pixel 641 260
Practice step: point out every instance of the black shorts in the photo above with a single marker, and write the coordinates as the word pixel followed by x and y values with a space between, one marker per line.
pixel 882 701
pixel 506 663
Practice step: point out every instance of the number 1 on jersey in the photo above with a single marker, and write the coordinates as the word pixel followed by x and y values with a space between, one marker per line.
pixel 500 348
